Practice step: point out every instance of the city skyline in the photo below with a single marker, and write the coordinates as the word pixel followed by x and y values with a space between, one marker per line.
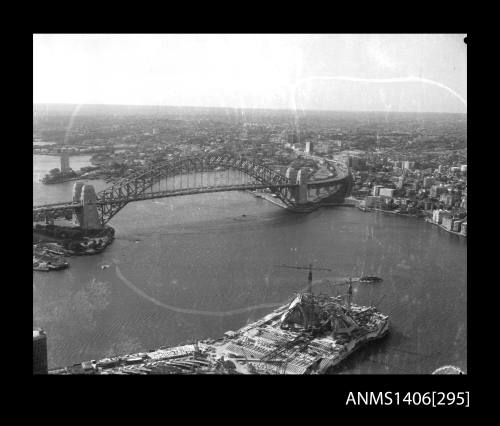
pixel 340 72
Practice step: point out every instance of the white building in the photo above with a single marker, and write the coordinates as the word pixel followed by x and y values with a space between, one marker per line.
pixel 376 190
pixel 437 215
pixel 408 165
pixel 309 147
pixel 386 192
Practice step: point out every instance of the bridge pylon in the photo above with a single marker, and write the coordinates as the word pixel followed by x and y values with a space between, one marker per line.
pixel 302 189
pixel 77 193
pixel 87 216
pixel 291 174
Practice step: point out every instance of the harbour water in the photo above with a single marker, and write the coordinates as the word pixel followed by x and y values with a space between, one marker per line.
pixel 193 267
pixel 45 194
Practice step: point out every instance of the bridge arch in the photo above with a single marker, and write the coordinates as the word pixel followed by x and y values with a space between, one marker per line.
pixel 111 200
pixel 140 185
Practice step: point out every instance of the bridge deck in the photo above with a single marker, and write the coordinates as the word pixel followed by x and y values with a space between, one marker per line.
pixel 159 194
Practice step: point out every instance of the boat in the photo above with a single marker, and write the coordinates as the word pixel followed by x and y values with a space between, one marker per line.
pixel 40 266
pixel 370 279
pixel 133 360
pixel 58 266
pixel 47 263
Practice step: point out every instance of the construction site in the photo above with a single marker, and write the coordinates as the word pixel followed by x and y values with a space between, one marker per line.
pixel 309 335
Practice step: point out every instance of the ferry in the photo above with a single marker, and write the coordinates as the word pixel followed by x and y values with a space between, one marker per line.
pixel 370 279
pixel 58 266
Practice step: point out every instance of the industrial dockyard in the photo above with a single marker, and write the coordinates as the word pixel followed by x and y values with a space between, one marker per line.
pixel 309 335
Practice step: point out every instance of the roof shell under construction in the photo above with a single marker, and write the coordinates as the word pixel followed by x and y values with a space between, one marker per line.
pixel 309 335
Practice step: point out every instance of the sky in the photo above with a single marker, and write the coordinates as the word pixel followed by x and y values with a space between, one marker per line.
pixel 342 72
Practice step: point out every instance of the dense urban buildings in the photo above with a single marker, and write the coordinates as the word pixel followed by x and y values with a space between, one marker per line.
pixel 412 164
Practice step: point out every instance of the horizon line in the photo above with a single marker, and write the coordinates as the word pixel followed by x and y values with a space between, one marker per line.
pixel 242 108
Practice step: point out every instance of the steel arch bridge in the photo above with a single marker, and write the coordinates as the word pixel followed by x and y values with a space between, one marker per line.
pixel 147 184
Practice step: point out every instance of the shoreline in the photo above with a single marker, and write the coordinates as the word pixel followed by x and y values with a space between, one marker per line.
pixel 60 181
pixel 68 252
pixel 445 229
pixel 58 154
pixel 86 244
pixel 267 197
pixel 278 202
pixel 396 213
pixel 426 219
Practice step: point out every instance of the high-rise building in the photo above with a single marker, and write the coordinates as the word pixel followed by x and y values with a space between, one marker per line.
pixel 437 215
pixel 447 222
pixel 309 147
pixel 39 352
pixel 292 137
pixel 376 190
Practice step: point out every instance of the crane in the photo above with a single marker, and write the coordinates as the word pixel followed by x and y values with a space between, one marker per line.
pixel 309 279
pixel 310 268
